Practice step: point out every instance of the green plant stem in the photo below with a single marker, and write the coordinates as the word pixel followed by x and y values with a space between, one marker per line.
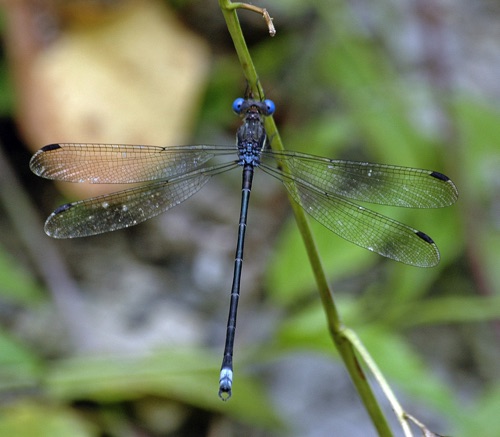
pixel 335 326
pixel 368 360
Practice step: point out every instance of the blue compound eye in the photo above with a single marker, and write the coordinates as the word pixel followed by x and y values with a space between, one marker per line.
pixel 237 104
pixel 270 106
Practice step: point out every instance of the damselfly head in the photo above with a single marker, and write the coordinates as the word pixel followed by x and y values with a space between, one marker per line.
pixel 241 106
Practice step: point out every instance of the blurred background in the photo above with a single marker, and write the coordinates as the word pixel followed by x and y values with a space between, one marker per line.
pixel 122 334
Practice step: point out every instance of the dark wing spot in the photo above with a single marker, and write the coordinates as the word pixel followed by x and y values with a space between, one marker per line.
pixel 50 147
pixel 425 237
pixel 440 176
pixel 62 208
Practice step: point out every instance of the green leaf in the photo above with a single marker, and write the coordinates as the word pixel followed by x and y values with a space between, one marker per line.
pixel 483 419
pixel 189 376
pixel 450 309
pixel 16 283
pixel 30 419
pixel 19 367
pixel 401 364
pixel 398 362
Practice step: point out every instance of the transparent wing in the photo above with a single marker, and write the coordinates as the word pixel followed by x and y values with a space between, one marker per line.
pixel 368 182
pixel 126 208
pixel 362 226
pixel 114 163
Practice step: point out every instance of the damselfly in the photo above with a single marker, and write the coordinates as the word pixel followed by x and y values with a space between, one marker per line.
pixel 323 187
